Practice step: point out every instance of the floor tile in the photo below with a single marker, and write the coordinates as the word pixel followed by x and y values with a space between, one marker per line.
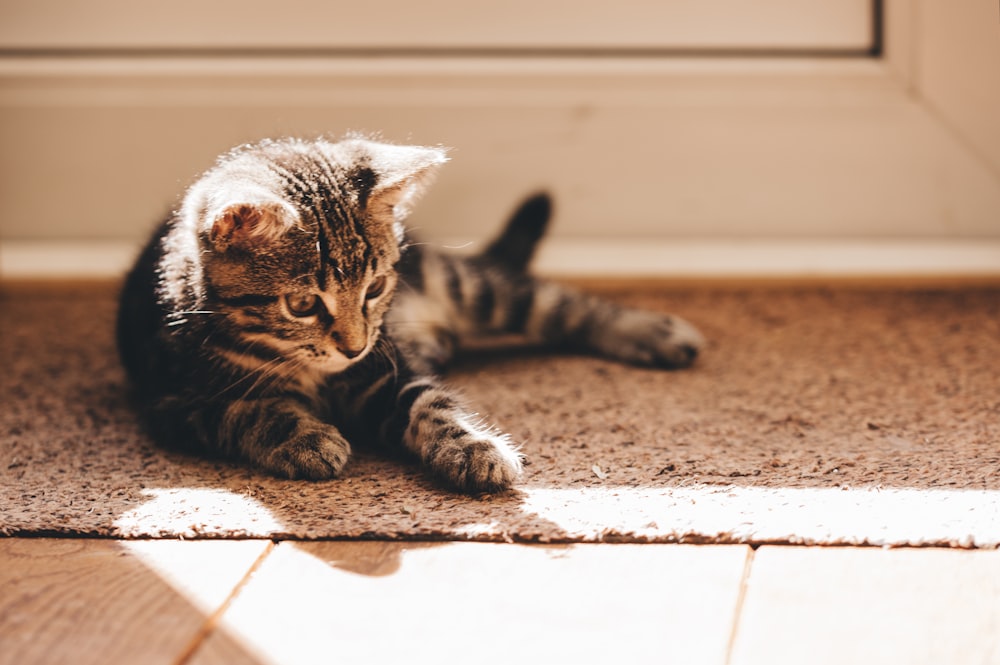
pixel 867 605
pixel 484 603
pixel 86 601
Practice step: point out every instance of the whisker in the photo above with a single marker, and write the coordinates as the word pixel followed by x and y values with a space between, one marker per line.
pixel 272 374
pixel 384 350
pixel 180 322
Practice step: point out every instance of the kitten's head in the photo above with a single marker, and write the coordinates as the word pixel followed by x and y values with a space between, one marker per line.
pixel 299 242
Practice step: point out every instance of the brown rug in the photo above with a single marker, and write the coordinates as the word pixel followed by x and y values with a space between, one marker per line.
pixel 815 416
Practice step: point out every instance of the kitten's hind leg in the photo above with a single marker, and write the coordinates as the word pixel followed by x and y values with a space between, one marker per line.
pixel 556 315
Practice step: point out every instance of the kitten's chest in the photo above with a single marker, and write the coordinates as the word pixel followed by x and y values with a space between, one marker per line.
pixel 342 396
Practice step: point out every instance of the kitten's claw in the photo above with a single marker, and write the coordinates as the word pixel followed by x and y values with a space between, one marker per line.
pixel 317 454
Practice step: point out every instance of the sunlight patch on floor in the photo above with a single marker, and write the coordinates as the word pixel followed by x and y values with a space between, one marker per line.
pixel 186 512
pixel 488 603
pixel 203 571
pixel 967 518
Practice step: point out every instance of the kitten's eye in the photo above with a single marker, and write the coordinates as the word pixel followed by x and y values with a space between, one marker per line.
pixel 376 288
pixel 302 304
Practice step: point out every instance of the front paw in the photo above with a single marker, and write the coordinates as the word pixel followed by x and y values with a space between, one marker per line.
pixel 318 453
pixel 473 461
pixel 654 340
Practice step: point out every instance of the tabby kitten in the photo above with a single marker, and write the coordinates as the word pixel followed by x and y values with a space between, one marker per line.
pixel 282 312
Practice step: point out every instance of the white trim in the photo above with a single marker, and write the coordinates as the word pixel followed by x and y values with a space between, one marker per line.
pixel 57 68
pixel 68 84
pixel 655 257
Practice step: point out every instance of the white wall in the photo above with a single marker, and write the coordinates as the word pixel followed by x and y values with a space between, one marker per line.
pixel 660 165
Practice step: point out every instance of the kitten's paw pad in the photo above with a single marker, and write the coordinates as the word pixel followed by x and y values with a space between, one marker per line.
pixel 474 461
pixel 657 340
pixel 316 454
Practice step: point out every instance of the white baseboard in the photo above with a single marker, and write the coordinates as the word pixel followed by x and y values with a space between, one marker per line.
pixel 757 258
pixel 80 259
pixel 654 258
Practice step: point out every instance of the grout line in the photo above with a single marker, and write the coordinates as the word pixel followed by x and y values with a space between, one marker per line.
pixel 212 622
pixel 740 598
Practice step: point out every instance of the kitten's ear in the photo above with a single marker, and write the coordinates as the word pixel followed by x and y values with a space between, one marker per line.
pixel 248 225
pixel 402 173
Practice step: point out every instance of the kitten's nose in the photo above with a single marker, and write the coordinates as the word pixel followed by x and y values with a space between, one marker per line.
pixel 350 334
pixel 349 352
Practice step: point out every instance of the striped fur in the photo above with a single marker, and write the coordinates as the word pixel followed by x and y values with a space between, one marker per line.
pixel 282 312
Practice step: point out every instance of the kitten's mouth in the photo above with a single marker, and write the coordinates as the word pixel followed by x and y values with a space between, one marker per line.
pixel 332 364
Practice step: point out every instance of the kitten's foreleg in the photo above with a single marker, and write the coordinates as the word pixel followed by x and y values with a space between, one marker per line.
pixel 430 422
pixel 282 436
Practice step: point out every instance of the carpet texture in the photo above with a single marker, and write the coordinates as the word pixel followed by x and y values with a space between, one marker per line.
pixel 814 416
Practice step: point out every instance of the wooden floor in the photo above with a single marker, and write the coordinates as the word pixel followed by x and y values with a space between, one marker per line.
pixel 205 602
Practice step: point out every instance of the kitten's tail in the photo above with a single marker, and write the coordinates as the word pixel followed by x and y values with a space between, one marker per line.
pixel 515 246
